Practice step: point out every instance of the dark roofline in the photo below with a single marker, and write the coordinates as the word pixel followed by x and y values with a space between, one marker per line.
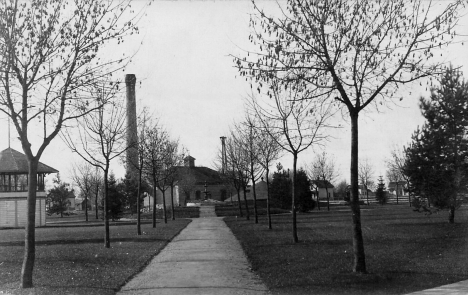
pixel 322 184
pixel 12 161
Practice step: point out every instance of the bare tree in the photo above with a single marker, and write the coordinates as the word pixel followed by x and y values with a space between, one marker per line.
pixel 100 138
pixel 354 53
pixel 396 164
pixel 366 174
pixel 174 159
pixel 83 176
pixel 323 168
pixel 293 119
pixel 237 159
pixel 268 151
pixel 49 57
pixel 156 141
pixel 246 137
pixel 138 163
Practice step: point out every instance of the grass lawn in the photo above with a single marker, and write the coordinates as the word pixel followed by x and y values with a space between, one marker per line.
pixel 79 216
pixel 72 259
pixel 405 251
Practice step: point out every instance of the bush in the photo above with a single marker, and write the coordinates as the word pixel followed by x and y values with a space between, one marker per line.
pixel 280 192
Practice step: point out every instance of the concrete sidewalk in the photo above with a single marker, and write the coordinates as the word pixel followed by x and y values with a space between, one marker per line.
pixel 205 258
pixel 460 288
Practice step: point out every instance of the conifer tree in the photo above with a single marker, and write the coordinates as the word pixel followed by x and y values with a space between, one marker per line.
pixel 381 193
pixel 436 157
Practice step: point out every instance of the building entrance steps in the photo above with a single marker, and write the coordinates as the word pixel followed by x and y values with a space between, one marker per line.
pixel 205 258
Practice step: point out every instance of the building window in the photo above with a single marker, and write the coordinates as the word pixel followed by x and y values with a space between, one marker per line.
pixel 197 195
pixel 187 195
pixel 40 182
pixel 21 182
pixel 4 183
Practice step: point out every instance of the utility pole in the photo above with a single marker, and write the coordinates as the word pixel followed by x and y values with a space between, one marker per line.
pixel 223 154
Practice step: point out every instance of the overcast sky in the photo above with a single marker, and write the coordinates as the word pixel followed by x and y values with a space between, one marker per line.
pixel 189 82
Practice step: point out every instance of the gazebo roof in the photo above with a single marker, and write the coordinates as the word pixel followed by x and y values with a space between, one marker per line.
pixel 12 161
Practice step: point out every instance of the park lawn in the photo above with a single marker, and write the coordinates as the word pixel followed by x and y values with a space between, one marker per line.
pixel 78 217
pixel 73 260
pixel 405 251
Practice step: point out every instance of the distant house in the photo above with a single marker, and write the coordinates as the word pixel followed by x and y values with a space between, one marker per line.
pixel 319 189
pixel 80 204
pixel 401 185
pixel 260 192
pixel 14 189
pixel 71 201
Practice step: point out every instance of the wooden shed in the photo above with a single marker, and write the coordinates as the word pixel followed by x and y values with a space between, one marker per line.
pixel 14 189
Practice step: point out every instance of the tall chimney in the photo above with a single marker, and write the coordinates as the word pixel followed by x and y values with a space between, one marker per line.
pixel 132 133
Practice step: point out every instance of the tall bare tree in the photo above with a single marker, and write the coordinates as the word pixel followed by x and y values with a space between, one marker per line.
pixel 354 53
pixel 268 151
pixel 366 174
pixel 246 137
pixel 100 138
pixel 173 159
pixel 323 168
pixel 237 159
pixel 156 141
pixel 50 55
pixel 295 120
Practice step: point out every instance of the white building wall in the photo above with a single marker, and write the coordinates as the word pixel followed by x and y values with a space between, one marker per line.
pixel 13 207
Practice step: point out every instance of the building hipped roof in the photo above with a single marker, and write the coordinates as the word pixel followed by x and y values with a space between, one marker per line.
pixel 12 161
pixel 200 174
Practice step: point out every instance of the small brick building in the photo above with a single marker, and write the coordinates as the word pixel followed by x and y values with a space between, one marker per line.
pixel 14 189
pixel 194 183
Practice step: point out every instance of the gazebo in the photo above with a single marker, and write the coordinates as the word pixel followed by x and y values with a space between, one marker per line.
pixel 14 189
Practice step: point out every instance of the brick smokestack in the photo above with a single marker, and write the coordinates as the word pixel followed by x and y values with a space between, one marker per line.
pixel 132 133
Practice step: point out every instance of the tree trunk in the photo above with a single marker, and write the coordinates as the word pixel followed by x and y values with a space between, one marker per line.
pixel 367 195
pixel 451 214
pixel 138 204
pixel 268 199
pixel 154 202
pixel 96 201
pixel 318 197
pixel 239 202
pixel 293 196
pixel 409 196
pixel 164 205
pixel 172 203
pixel 254 194
pixel 358 242
pixel 397 193
pixel 328 198
pixel 86 207
pixel 30 228
pixel 106 208
pixel 246 205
